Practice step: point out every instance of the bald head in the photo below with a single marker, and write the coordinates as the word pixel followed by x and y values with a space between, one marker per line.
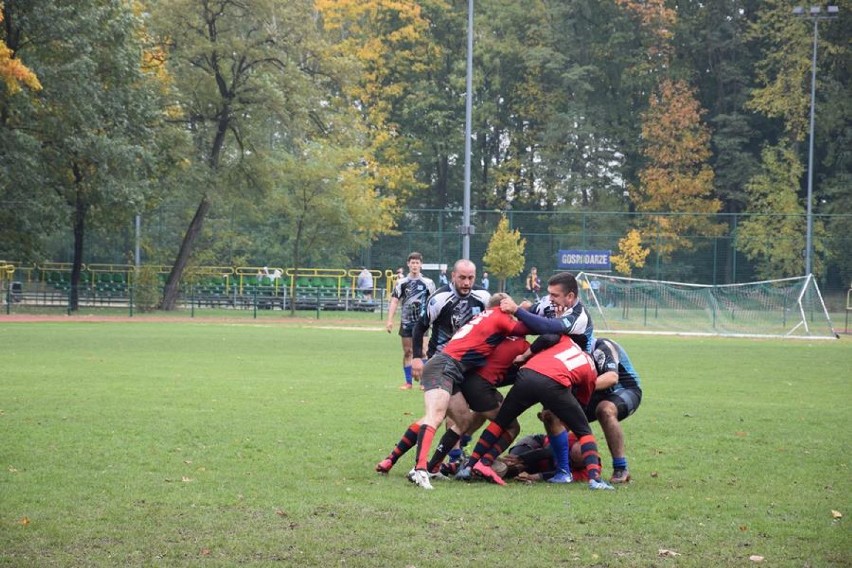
pixel 464 275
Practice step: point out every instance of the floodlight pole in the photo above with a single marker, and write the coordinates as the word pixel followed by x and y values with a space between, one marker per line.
pixel 466 228
pixel 816 14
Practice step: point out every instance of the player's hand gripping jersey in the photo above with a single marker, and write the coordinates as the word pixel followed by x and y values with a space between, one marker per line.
pixel 576 322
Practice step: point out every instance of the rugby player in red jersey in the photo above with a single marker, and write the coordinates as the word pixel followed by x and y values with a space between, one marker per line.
pixel 479 394
pixel 480 399
pixel 562 378
pixel 444 373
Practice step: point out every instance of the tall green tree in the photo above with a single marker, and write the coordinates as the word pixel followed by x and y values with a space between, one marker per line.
pixel 320 195
pixel 782 94
pixel 92 120
pixel 772 235
pixel 388 42
pixel 248 77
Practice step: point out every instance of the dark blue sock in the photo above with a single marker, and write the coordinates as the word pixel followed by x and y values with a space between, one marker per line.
pixel 619 463
pixel 407 370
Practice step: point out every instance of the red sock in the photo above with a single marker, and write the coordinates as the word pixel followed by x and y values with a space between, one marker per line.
pixel 424 445
pixel 591 458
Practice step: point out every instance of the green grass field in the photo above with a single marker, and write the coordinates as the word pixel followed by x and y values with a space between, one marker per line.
pixel 204 443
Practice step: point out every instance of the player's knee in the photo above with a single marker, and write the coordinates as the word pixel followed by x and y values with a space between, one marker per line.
pixel 606 411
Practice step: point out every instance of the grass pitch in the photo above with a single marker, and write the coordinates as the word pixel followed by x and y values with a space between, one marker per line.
pixel 221 444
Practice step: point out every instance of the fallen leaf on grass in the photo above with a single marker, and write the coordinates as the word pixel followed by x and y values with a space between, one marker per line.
pixel 281 513
pixel 186 479
pixel 205 552
pixel 654 474
pixel 836 514
pixel 666 552
pixel 755 558
pixel 12 469
pixel 24 521
pixel 742 434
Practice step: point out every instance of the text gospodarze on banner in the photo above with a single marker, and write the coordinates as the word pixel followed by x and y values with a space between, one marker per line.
pixel 576 260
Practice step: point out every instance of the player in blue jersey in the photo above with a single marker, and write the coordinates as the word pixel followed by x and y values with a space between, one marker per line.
pixel 618 393
pixel 409 294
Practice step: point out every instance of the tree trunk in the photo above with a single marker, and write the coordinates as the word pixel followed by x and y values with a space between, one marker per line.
pixel 172 288
pixel 80 209
pixel 297 253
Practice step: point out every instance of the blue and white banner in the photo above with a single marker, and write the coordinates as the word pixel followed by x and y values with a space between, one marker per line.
pixel 596 260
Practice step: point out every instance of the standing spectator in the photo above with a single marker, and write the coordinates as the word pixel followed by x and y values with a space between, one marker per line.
pixel 533 283
pixel 442 278
pixel 365 284
pixel 411 292
pixel 485 282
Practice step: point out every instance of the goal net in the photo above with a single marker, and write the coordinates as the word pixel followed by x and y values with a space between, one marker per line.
pixel 788 307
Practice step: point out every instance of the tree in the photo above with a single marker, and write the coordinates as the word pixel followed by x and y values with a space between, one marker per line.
pixel 388 41
pixel 323 201
pixel 504 257
pixel 12 71
pixel 631 253
pixel 772 235
pixel 93 117
pixel 782 94
pixel 248 78
pixel 677 180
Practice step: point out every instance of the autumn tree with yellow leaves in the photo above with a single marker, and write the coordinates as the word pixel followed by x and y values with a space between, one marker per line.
pixel 12 71
pixel 504 257
pixel 676 184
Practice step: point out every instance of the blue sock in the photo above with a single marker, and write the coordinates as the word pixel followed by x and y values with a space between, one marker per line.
pixel 619 463
pixel 455 454
pixel 464 441
pixel 407 370
pixel 559 447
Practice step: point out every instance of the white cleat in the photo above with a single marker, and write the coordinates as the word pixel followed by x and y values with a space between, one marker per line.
pixel 420 477
pixel 597 485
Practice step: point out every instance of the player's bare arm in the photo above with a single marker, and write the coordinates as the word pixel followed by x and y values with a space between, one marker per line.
pixel 391 311
pixel 606 380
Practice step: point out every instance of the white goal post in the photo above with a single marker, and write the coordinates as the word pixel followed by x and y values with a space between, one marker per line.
pixel 787 307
